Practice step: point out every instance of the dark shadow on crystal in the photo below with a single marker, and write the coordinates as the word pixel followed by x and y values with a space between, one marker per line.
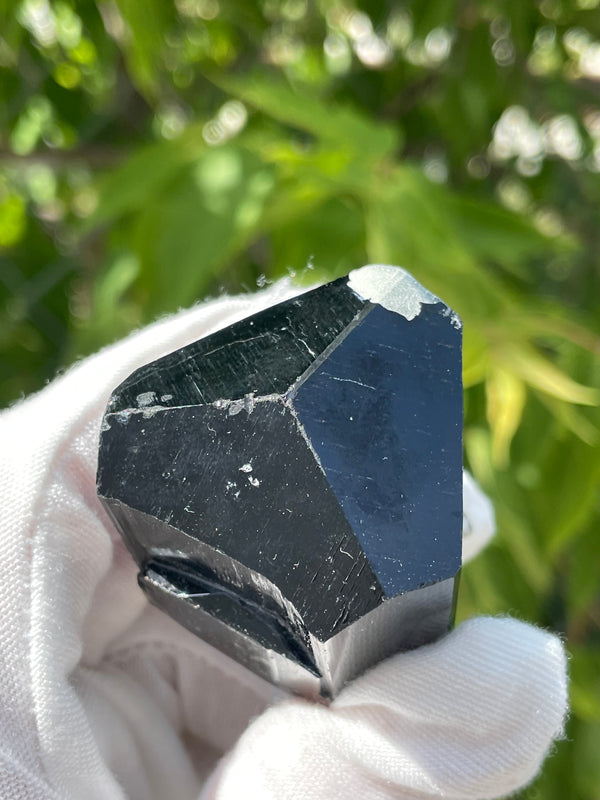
pixel 249 611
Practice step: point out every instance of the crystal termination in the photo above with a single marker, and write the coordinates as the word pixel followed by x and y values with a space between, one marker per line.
pixel 291 486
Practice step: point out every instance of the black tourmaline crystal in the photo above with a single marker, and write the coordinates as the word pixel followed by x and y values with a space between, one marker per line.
pixel 291 486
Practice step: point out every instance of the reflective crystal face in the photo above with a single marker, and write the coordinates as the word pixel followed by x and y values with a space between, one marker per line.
pixel 291 486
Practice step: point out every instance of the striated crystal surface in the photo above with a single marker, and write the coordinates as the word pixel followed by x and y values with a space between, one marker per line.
pixel 291 486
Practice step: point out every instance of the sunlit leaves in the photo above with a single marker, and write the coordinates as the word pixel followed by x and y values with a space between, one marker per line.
pixel 12 218
pixel 505 403
pixel 188 232
pixel 330 123
pixel 540 373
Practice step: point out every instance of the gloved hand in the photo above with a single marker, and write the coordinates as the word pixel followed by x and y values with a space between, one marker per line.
pixel 102 697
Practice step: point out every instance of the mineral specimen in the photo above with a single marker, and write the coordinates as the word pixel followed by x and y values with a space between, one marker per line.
pixel 291 486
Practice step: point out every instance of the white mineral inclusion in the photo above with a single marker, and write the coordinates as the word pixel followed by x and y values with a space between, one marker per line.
pixel 146 399
pixel 391 287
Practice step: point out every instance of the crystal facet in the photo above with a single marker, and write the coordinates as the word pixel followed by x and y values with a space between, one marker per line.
pixel 291 486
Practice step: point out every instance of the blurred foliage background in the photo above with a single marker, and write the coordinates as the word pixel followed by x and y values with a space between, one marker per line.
pixel 153 153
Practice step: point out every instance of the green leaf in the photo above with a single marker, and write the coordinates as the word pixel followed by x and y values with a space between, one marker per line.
pixel 583 590
pixel 495 234
pixel 186 235
pixel 147 23
pixel 143 176
pixel 542 374
pixel 572 419
pixel 549 319
pixel 505 402
pixel 586 741
pixel 517 534
pixel 329 169
pixel 514 518
pixel 314 238
pixel 115 282
pixel 329 122
pixel 13 219
pixel 585 682
pixel 575 480
pixel 475 357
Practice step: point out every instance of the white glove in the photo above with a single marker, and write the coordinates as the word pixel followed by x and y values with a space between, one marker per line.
pixel 102 697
